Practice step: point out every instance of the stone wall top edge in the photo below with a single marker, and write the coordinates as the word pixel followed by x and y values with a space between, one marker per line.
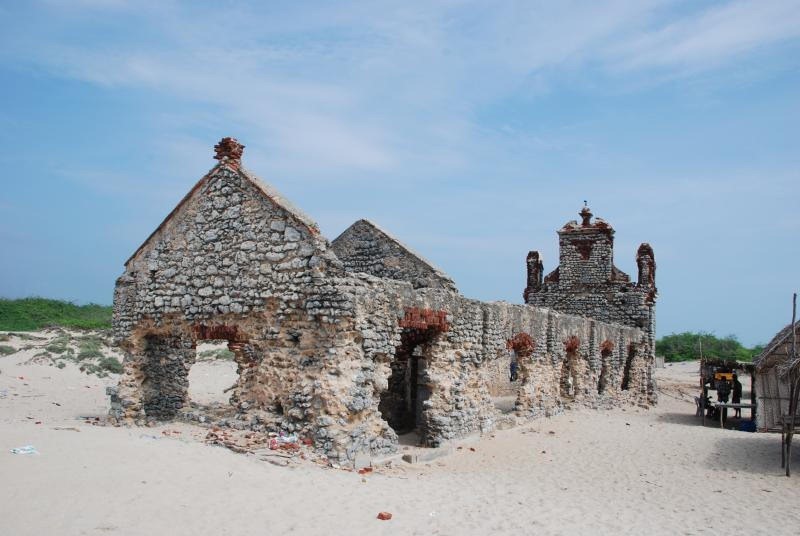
pixel 443 296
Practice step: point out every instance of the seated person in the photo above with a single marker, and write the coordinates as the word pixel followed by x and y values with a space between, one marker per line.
pixel 711 411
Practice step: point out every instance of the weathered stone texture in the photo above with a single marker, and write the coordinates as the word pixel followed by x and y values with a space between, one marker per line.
pixel 364 247
pixel 587 283
pixel 346 358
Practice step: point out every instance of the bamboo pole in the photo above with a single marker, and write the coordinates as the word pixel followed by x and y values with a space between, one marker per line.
pixel 794 382
pixel 703 391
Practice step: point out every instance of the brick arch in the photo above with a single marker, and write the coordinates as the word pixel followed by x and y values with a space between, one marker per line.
pixel 230 333
pixel 425 320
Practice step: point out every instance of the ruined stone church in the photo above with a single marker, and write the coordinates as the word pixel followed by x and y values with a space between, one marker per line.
pixel 352 342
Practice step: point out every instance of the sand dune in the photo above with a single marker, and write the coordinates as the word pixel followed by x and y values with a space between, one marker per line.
pixel 628 471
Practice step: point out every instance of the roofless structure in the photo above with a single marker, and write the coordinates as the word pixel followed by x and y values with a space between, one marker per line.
pixel 346 345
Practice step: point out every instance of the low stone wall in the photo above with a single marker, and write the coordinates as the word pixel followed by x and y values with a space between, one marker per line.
pixel 324 380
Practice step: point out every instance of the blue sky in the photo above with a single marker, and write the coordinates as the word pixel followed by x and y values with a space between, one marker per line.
pixel 471 130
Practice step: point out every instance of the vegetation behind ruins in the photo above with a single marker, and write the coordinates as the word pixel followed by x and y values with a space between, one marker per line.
pixel 686 347
pixel 29 314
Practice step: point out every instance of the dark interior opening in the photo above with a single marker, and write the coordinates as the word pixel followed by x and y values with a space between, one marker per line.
pixel 626 373
pixel 401 404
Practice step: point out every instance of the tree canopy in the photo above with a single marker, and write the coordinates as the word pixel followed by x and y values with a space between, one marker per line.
pixel 686 347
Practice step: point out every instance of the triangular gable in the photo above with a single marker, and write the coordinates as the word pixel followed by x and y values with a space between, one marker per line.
pixel 268 192
pixel 399 253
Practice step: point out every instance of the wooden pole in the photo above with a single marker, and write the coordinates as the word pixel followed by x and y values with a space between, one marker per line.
pixel 794 379
pixel 703 391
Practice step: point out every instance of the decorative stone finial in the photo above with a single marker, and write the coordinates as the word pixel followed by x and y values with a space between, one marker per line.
pixel 586 215
pixel 229 149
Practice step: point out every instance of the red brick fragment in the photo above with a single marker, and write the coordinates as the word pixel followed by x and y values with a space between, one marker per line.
pixel 425 319
pixel 522 344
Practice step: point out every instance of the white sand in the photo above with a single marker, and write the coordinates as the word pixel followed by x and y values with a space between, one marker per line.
pixel 607 472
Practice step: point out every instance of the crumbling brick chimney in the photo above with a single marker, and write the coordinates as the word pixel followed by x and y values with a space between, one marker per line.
pixel 229 151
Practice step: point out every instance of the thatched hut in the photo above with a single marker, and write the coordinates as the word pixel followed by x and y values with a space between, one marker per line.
pixel 772 382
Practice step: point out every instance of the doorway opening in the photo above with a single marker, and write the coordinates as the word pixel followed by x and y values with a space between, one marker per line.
pixel 567 384
pixel 402 404
pixel 626 372
pixel 606 349
pixel 214 374
pixel 520 350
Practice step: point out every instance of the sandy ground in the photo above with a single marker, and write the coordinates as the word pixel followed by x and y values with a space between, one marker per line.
pixel 631 471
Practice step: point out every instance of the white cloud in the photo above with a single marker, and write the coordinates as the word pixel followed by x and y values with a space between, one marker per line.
pixel 717 35
pixel 382 86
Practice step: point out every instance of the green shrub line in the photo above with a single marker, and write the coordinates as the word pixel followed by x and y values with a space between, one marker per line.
pixel 58 345
pixel 222 354
pixel 686 347
pixel 29 314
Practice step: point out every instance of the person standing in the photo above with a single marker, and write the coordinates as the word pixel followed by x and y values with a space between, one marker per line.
pixel 737 395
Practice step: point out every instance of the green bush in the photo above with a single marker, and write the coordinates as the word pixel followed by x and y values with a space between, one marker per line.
pixel 89 350
pixel 30 314
pixel 59 344
pixel 218 353
pixel 686 347
pixel 110 364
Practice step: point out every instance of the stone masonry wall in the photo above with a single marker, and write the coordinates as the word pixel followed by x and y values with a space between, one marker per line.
pixel 314 344
pixel 229 263
pixel 366 248
pixel 587 283
pixel 458 365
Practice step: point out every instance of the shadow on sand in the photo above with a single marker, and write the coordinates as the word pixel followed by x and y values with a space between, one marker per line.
pixel 757 453
pixel 689 419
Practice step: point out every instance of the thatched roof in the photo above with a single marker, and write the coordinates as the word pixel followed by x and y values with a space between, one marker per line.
pixel 777 350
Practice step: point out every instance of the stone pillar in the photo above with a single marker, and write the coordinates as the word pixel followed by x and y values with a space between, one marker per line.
pixel 154 382
pixel 535 274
